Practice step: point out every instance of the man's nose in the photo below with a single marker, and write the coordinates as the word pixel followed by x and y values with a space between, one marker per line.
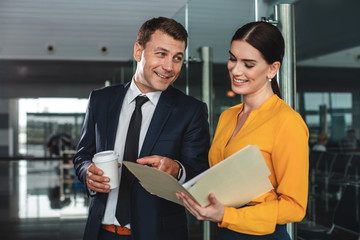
pixel 168 65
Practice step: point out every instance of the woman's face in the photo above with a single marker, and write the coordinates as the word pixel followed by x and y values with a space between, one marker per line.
pixel 249 72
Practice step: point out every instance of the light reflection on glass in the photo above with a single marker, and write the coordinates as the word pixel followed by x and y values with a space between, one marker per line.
pixel 22 188
pixel 39 193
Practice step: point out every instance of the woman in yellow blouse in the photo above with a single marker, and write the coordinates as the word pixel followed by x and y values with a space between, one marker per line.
pixel 263 119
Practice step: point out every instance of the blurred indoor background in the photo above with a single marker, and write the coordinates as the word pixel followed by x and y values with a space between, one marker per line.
pixel 53 53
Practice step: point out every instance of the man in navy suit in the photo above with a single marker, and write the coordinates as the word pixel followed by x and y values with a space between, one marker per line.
pixel 174 138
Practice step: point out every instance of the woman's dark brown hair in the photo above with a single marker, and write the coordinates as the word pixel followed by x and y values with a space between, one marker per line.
pixel 266 38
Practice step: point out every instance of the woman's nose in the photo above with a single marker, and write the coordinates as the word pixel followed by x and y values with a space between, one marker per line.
pixel 235 69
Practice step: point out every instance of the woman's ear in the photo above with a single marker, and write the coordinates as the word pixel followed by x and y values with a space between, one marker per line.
pixel 274 68
pixel 138 49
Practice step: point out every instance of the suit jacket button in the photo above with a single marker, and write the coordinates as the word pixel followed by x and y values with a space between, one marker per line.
pixel 100 217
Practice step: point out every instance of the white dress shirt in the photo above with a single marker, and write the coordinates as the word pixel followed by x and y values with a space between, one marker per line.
pixel 127 109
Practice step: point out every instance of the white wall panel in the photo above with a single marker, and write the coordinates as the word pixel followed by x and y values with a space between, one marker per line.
pixel 75 28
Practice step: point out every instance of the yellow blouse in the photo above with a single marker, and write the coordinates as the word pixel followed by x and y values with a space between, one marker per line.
pixel 282 136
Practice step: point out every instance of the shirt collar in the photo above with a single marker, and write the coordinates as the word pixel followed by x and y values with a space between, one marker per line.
pixel 134 91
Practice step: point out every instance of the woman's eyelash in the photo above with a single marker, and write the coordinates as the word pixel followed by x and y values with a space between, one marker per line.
pixel 249 66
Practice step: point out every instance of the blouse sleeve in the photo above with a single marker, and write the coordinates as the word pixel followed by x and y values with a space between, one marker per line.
pixel 291 165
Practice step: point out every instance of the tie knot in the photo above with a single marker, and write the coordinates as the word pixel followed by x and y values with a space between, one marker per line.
pixel 140 100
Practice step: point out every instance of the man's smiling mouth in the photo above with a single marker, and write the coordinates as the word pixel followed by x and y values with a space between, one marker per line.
pixel 163 76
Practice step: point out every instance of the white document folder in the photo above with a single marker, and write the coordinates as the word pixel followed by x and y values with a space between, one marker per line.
pixel 235 181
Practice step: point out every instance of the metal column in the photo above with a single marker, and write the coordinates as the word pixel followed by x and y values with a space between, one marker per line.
pixel 207 82
pixel 187 91
pixel 207 90
pixel 323 110
pixel 285 17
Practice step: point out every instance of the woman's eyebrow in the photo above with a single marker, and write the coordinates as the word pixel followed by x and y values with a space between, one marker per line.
pixel 244 59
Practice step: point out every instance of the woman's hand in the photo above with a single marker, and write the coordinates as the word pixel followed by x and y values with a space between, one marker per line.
pixel 213 212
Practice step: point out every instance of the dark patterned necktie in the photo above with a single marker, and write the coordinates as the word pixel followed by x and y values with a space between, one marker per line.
pixel 130 154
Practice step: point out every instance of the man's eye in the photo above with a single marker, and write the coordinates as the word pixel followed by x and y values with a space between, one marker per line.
pixel 178 59
pixel 232 59
pixel 160 54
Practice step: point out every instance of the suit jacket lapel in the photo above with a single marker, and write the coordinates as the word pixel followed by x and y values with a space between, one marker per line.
pixel 113 115
pixel 159 119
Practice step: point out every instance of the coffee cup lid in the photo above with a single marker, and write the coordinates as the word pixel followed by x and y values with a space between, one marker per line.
pixel 104 156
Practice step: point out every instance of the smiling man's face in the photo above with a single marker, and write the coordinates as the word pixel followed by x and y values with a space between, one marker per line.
pixel 159 63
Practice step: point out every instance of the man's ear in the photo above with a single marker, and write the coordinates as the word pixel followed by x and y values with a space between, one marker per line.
pixel 274 68
pixel 138 49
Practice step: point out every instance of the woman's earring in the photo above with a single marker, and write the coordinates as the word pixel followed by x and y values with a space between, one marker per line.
pixel 270 79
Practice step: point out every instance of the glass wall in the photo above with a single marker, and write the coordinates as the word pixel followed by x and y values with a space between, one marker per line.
pixel 328 99
pixel 330 112
pixel 48 126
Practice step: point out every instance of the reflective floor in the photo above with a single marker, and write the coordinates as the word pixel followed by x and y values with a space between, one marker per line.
pixel 41 200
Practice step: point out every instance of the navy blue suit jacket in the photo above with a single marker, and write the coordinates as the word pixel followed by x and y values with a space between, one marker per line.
pixel 179 130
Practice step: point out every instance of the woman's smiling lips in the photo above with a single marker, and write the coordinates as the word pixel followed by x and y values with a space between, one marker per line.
pixel 239 81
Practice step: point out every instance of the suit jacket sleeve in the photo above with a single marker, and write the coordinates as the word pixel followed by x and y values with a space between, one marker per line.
pixel 86 147
pixel 196 143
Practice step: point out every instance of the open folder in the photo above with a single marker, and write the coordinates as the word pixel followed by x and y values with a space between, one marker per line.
pixel 235 181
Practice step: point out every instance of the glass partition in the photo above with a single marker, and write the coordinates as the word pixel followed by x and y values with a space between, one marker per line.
pixel 328 99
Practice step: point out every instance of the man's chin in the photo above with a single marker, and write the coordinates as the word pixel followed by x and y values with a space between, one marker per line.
pixel 162 86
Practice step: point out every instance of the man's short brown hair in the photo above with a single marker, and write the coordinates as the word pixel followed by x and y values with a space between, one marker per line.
pixel 166 25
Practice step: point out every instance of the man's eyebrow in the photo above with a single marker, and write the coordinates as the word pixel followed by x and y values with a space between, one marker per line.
pixel 166 50
pixel 162 49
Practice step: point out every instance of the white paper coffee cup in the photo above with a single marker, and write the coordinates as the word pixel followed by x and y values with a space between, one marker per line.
pixel 107 161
